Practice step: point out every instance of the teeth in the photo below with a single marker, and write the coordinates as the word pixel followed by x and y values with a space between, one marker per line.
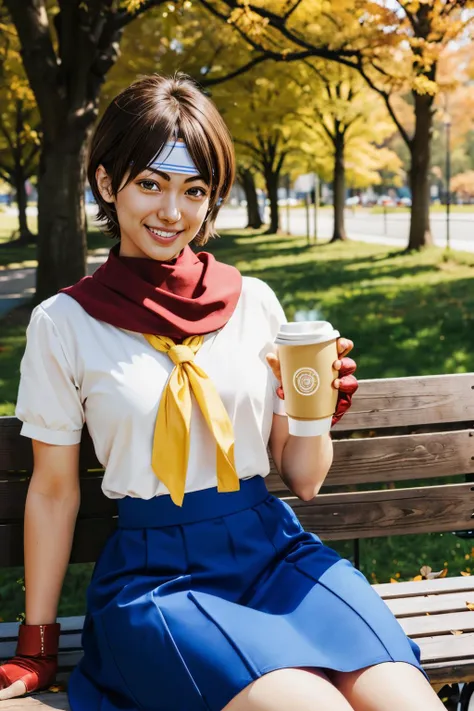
pixel 160 233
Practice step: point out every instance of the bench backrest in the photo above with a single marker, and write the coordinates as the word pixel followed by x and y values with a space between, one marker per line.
pixel 400 432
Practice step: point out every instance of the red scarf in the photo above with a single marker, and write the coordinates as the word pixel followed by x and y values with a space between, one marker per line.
pixel 192 296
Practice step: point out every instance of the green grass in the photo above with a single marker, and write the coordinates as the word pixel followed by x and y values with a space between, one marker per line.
pixel 408 314
pixel 13 256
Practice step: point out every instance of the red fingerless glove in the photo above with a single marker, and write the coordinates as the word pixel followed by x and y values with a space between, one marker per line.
pixel 36 658
pixel 347 387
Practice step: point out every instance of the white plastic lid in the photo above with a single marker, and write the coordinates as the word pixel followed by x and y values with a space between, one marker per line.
pixel 306 333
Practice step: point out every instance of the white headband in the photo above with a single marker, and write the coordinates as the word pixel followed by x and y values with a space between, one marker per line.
pixel 175 158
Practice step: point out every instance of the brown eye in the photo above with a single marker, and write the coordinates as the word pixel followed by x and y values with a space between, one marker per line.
pixel 200 192
pixel 149 185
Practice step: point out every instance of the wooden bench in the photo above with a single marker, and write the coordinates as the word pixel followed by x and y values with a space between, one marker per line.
pixel 399 430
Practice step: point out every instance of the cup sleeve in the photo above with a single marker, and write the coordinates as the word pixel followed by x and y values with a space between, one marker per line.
pixel 48 402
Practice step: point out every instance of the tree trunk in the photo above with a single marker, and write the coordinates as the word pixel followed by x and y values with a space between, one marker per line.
pixel 62 241
pixel 66 75
pixel 420 149
pixel 339 188
pixel 272 180
pixel 25 236
pixel 248 184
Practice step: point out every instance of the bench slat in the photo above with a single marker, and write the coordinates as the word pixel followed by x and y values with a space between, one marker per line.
pixel 369 514
pixel 89 539
pixel 438 624
pixel 441 673
pixel 375 459
pixel 379 459
pixel 415 627
pixel 391 459
pixel 38 702
pixel 403 402
pixel 332 516
pixel 16 453
pixel 446 648
pixel 390 402
pixel 94 503
pixel 438 586
pixel 386 459
pixel 430 604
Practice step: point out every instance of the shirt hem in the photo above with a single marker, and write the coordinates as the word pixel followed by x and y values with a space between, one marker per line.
pixel 43 434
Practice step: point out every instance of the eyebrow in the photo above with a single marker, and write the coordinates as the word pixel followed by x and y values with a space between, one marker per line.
pixel 167 177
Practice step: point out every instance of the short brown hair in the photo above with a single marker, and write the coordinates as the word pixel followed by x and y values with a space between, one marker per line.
pixel 137 124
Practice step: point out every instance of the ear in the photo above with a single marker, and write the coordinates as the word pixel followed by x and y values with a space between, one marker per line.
pixel 104 184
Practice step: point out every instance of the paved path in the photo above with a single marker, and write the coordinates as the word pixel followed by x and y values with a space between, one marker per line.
pixel 17 285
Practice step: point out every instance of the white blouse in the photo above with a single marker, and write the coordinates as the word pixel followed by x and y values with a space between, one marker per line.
pixel 77 369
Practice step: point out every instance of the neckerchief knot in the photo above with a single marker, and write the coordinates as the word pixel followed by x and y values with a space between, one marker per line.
pixel 172 429
pixel 181 354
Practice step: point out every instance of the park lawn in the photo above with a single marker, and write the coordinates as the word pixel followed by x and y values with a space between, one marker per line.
pixel 408 314
pixel 13 256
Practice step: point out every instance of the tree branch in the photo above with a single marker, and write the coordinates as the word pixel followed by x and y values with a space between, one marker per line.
pixel 122 19
pixel 386 97
pixel 7 136
pixel 237 72
pixel 278 22
pixel 412 18
pixel 249 146
pixel 288 14
pixel 6 175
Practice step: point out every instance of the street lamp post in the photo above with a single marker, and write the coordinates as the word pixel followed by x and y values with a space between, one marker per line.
pixel 447 125
pixel 316 206
pixel 288 187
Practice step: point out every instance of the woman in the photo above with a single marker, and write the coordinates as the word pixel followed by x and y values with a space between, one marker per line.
pixel 209 595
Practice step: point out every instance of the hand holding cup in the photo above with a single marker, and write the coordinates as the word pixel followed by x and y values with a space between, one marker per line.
pixel 320 389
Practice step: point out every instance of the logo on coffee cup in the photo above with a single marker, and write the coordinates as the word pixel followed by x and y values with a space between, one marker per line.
pixel 306 381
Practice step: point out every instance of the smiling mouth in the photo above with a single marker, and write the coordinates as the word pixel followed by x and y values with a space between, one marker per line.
pixel 164 234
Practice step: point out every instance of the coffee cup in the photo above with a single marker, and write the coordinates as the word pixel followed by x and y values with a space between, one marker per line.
pixel 307 351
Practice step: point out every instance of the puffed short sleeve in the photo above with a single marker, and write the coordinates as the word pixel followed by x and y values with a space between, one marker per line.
pixel 276 317
pixel 48 402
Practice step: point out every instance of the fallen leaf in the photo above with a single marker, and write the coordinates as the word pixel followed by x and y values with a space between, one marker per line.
pixel 428 574
pixel 457 632
pixel 56 688
pixel 470 606
pixel 417 577
pixel 393 580
pixel 465 574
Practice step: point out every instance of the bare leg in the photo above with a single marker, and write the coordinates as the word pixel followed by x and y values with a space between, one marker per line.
pixel 295 689
pixel 387 687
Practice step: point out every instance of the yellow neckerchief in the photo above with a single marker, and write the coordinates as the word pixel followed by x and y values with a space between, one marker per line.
pixel 172 429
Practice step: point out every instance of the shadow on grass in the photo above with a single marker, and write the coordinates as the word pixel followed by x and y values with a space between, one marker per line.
pixel 408 314
pixel 13 255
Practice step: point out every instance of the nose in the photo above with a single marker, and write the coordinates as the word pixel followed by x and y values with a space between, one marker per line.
pixel 169 210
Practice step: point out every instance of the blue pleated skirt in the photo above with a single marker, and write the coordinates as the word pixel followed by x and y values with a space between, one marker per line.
pixel 187 606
